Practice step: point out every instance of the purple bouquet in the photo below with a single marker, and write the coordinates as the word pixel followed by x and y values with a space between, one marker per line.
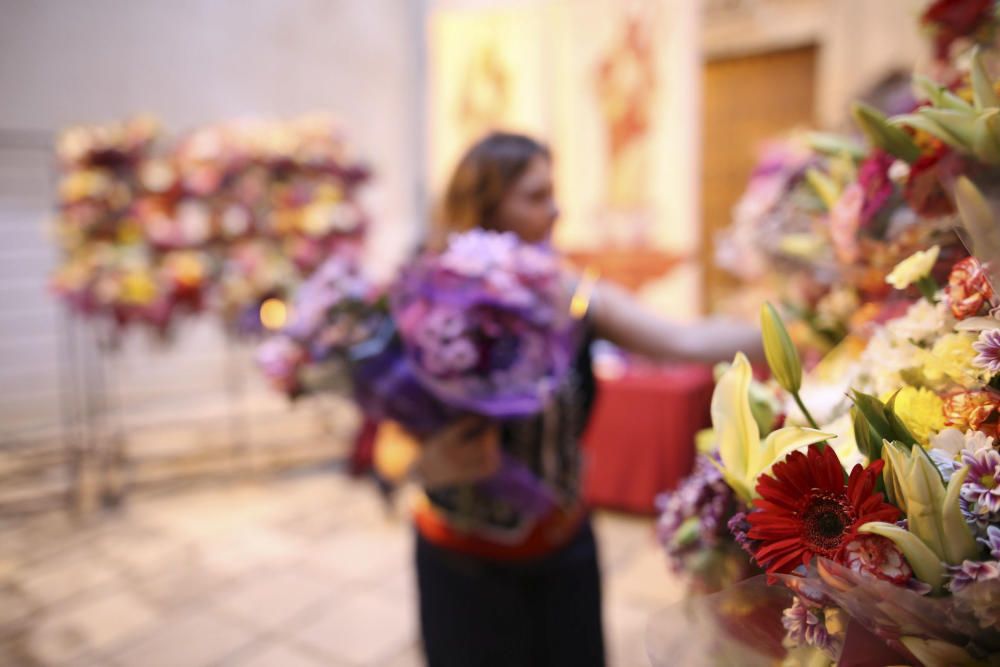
pixel 486 324
pixel 335 309
pixel 482 328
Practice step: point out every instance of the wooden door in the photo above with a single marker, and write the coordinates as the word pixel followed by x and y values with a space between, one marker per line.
pixel 747 100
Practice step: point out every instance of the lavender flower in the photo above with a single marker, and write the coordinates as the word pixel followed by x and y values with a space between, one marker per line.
pixel 478 252
pixel 988 347
pixel 805 625
pixel 280 359
pixel 976 587
pixel 971 572
pixel 335 283
pixel 944 462
pixel 992 541
pixel 692 515
pixel 738 527
pixel 979 496
pixel 487 323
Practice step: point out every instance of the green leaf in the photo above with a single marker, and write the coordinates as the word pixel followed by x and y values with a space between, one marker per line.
pixel 899 430
pixel 929 126
pixel 831 144
pixel 880 133
pixel 869 444
pixel 983 94
pixel 959 124
pixel 874 413
pixel 985 142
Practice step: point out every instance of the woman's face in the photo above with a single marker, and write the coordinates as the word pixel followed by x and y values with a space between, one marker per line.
pixel 529 207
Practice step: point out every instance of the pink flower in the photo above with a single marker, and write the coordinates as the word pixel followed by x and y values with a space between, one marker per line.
pixel 873 177
pixel 845 219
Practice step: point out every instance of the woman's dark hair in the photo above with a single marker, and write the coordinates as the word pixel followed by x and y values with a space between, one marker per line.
pixel 483 176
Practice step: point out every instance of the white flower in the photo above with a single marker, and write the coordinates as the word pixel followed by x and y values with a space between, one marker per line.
pixel 896 347
pixel 949 440
pixel 923 322
pixel 954 442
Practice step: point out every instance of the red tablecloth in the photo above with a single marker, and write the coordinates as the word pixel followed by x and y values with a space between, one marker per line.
pixel 641 436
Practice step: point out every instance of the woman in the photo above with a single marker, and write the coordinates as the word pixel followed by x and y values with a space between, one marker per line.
pixel 497 588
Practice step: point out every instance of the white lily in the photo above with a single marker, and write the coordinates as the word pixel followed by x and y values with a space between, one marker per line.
pixel 744 456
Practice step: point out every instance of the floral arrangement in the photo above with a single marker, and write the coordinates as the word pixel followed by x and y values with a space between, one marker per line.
pixel 881 518
pixel 484 327
pixel 838 217
pixel 896 527
pixel 224 218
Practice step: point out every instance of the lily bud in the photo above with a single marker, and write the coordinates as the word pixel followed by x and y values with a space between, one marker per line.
pixel 781 354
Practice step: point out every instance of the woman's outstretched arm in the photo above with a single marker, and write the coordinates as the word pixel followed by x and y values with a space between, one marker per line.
pixel 620 319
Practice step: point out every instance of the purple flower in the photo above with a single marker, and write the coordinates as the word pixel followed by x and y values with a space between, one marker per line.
pixel 992 541
pixel 280 359
pixel 976 587
pixel 988 347
pixel 980 493
pixel 971 572
pixel 702 501
pixel 487 323
pixel 805 625
pixel 333 285
pixel 478 252
pixel 945 463
pixel 738 527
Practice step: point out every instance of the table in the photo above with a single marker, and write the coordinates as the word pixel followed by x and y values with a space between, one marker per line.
pixel 640 441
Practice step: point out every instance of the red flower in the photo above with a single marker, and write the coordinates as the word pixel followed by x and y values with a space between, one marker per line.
pixel 953 19
pixel 968 288
pixel 806 510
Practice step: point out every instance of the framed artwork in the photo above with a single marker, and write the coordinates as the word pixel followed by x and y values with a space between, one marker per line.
pixel 612 87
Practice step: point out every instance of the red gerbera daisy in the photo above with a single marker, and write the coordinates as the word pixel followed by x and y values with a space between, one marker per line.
pixel 806 510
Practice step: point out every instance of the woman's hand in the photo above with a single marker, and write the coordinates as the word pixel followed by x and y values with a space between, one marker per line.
pixel 463 452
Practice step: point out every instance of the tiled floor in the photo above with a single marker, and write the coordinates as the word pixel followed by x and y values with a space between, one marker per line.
pixel 302 571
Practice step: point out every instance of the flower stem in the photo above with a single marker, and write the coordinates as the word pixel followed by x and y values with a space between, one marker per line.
pixel 805 411
pixel 928 287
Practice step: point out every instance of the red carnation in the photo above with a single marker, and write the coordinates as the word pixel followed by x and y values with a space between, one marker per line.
pixel 806 510
pixel 969 288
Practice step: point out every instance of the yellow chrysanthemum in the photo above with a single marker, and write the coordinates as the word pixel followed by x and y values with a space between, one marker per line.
pixel 921 410
pixel 951 359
